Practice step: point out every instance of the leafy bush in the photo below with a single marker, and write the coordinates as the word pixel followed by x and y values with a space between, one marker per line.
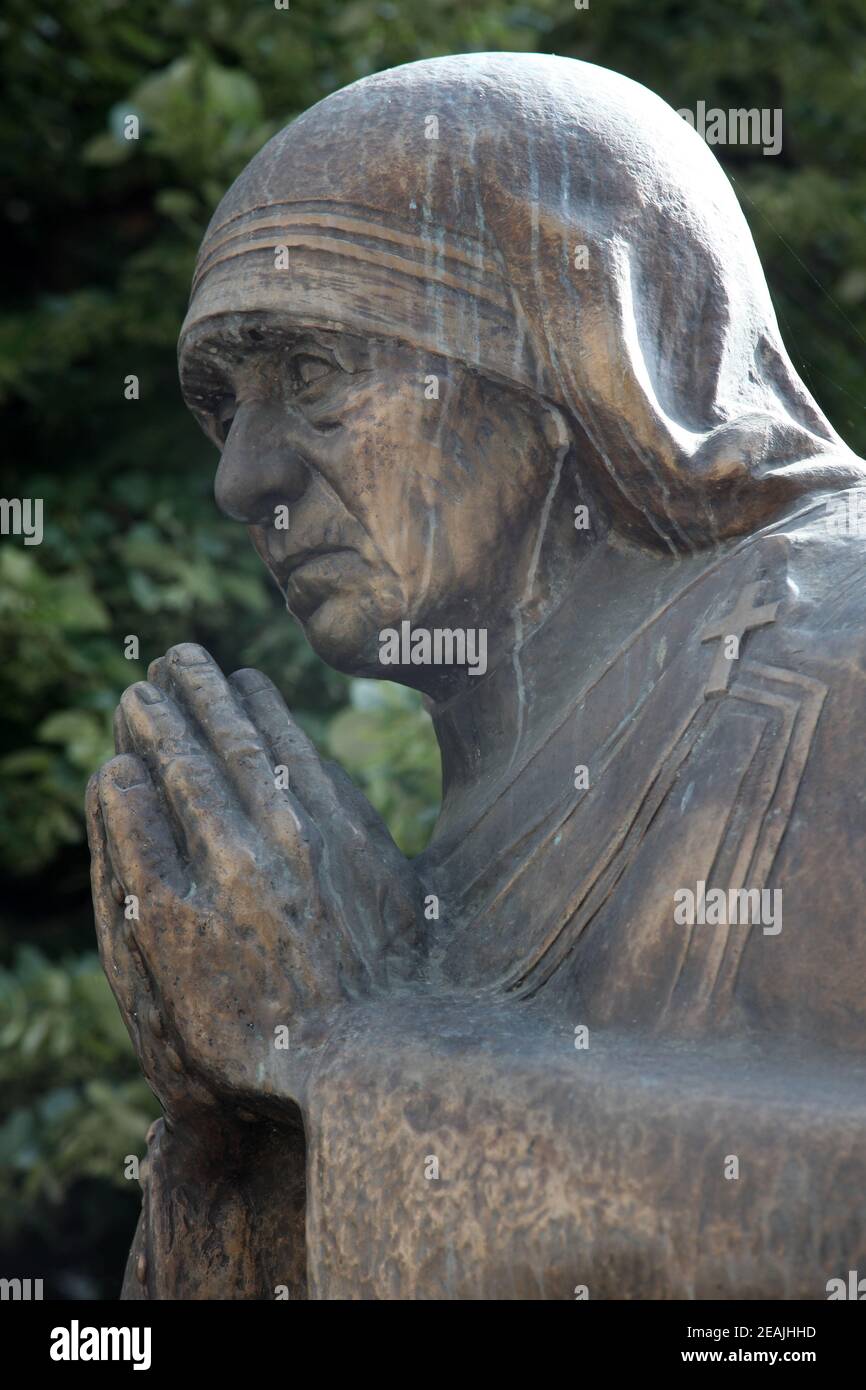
pixel 77 1105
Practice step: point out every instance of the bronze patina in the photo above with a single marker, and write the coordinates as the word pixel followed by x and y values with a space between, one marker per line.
pixel 486 348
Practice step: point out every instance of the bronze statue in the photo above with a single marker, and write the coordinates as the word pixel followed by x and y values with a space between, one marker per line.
pixel 488 353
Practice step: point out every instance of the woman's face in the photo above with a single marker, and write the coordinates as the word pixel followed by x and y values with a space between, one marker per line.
pixel 412 485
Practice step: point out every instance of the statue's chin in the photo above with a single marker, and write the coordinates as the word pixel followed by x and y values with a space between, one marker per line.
pixel 344 638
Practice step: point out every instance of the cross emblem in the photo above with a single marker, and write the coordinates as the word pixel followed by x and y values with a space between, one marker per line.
pixel 736 624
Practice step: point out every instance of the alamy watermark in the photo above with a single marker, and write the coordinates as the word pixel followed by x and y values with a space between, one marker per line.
pixel 20 1290
pixel 755 126
pixel 715 907
pixel 854 1288
pixel 22 516
pixel 77 1343
pixel 438 646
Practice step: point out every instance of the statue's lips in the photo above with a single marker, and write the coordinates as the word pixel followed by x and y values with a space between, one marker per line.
pixel 308 579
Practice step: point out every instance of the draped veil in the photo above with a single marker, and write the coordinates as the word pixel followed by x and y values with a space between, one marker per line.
pixel 555 226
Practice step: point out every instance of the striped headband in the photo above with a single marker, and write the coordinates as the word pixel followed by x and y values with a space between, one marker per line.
pixel 352 269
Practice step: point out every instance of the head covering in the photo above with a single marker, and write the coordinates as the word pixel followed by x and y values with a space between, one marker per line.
pixel 556 226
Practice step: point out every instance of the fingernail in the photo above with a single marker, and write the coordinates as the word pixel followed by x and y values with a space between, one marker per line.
pixel 126 771
pixel 188 654
pixel 249 682
pixel 148 694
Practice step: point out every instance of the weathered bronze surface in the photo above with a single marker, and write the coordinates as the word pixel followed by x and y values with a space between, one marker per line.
pixel 494 330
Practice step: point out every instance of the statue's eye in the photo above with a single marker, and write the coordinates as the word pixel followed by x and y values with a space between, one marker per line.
pixel 309 369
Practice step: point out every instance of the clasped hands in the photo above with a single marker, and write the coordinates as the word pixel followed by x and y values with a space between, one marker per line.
pixel 236 914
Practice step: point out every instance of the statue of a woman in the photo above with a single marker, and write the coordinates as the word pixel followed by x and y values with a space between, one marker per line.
pixel 487 351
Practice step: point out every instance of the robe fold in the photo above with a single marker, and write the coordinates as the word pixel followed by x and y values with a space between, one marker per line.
pixel 566 896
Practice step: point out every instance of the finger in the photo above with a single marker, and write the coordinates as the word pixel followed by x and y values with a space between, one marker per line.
pixel 120 970
pixel 334 801
pixel 351 795
pixel 288 745
pixel 157 674
pixel 141 844
pixel 124 967
pixel 122 737
pixel 107 892
pixel 196 793
pixel 323 788
pixel 201 688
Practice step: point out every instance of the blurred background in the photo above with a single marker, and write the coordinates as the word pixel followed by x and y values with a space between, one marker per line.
pixel 99 237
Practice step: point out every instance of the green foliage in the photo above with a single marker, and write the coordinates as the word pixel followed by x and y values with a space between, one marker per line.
pixel 386 741
pixel 76 1104
pixel 101 234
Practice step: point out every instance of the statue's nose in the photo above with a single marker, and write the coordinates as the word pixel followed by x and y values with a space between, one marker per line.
pixel 259 468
